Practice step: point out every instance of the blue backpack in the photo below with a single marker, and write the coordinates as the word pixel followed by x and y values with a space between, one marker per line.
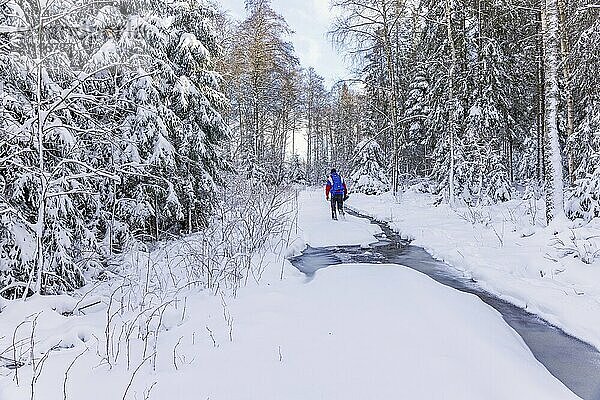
pixel 338 185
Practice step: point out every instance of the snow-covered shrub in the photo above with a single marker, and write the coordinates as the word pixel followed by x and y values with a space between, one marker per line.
pixel 475 215
pixel 583 199
pixel 423 185
pixel 582 246
pixel 368 175
pixel 251 218
pixel 533 193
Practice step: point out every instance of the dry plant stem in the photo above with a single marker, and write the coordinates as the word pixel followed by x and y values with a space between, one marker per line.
pixel 67 373
pixel 499 236
pixel 184 309
pixel 211 336
pixel 39 368
pixel 227 317
pixel 133 375
pixel 107 328
pixel 119 341
pixel 83 298
pixel 32 344
pixel 175 353
pixel 158 311
pixel 80 309
pixel 149 390
pixel 14 347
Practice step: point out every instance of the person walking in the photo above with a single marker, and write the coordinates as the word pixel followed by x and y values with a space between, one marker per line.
pixel 336 187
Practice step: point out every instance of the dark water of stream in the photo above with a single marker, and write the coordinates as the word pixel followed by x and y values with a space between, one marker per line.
pixel 572 361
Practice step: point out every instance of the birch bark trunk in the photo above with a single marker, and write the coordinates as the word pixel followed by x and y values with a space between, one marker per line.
pixel 568 93
pixel 554 184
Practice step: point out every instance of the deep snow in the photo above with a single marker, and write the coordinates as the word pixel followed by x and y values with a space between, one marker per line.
pixel 352 332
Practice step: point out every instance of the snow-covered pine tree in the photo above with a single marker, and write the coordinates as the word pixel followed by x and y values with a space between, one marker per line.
pixel 368 175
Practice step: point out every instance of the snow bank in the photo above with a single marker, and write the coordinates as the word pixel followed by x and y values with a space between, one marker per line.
pixel 354 332
pixel 507 250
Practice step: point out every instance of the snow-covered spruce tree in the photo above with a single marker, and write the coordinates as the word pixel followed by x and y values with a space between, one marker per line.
pixel 169 153
pixel 484 172
pixel 447 91
pixel 376 114
pixel 416 111
pixel 583 199
pixel 190 90
pixel 296 170
pixel 368 175
pixel 146 200
pixel 488 124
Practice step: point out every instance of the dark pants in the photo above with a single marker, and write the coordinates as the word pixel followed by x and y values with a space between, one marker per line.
pixel 337 202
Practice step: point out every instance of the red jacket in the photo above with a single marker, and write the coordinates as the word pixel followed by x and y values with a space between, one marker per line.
pixel 330 185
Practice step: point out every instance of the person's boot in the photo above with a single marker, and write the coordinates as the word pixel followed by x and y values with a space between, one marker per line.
pixel 333 216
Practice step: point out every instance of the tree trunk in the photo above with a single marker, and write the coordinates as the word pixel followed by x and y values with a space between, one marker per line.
pixel 451 100
pixel 540 105
pixel 568 93
pixel 309 144
pixel 41 211
pixel 554 184
pixel 393 96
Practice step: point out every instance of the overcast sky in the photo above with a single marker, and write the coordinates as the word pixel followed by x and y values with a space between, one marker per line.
pixel 310 20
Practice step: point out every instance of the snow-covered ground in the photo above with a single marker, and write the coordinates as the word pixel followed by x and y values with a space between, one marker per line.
pixel 353 332
pixel 507 249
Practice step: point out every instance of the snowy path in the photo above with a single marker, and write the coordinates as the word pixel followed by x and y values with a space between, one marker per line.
pixel 353 332
pixel 318 230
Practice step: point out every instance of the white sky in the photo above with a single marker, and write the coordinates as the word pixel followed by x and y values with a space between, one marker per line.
pixel 310 20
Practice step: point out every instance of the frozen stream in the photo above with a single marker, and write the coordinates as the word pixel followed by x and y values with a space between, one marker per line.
pixel 575 363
